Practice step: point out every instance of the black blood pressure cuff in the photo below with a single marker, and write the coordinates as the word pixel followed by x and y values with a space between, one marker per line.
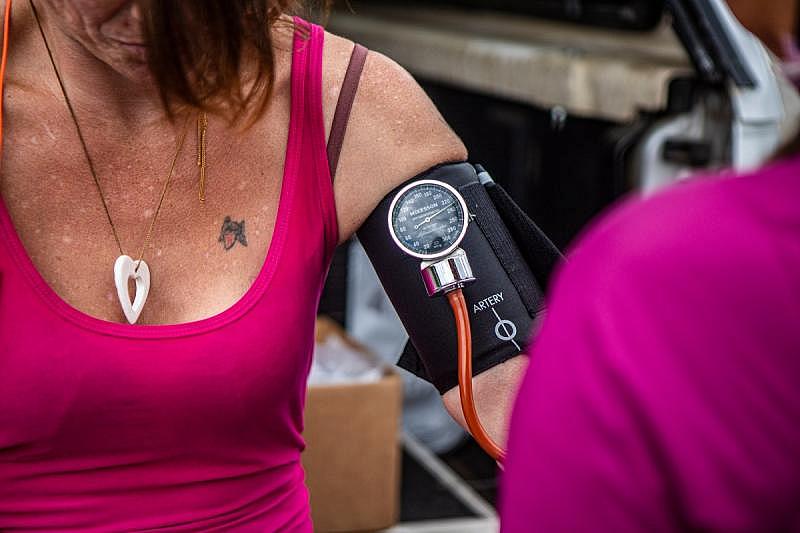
pixel 510 257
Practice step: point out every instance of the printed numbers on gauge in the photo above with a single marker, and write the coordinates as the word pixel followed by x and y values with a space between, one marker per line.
pixel 428 219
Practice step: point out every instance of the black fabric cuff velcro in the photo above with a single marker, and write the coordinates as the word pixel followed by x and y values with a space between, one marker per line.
pixel 447 376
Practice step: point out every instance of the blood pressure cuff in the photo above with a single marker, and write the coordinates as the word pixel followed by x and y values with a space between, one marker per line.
pixel 510 257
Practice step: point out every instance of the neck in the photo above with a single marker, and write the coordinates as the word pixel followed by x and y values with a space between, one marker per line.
pixel 124 95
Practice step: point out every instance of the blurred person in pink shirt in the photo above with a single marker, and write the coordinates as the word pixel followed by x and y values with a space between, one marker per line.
pixel 663 392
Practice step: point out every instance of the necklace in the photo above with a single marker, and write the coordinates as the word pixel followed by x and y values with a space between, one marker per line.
pixel 125 268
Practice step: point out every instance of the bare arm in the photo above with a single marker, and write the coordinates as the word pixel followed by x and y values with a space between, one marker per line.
pixel 495 391
pixel 396 133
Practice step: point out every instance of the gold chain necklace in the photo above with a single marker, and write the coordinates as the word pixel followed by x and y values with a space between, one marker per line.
pixel 125 268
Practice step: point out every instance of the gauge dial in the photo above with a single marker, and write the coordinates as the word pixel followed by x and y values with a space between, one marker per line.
pixel 428 219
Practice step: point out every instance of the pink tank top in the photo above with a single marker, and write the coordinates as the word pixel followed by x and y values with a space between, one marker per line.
pixel 189 427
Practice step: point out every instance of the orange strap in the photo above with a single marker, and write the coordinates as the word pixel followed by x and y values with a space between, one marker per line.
pixel 3 61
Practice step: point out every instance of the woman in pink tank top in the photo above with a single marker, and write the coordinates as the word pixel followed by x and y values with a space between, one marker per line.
pixel 191 418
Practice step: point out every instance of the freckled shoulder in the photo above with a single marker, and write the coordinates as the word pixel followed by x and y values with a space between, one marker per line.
pixel 395 132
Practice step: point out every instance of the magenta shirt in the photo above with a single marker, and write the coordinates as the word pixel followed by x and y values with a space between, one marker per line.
pixel 192 427
pixel 664 390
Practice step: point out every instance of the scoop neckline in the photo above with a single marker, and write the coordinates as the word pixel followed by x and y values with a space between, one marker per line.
pixel 241 306
pixel 154 331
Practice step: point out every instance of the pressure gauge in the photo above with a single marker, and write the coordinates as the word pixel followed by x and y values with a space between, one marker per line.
pixel 428 219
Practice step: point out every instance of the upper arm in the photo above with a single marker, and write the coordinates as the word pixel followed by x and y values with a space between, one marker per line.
pixel 395 132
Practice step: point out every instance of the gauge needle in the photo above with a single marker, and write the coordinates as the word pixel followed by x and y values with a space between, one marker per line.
pixel 431 217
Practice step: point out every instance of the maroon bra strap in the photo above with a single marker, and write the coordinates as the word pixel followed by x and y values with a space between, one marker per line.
pixel 345 104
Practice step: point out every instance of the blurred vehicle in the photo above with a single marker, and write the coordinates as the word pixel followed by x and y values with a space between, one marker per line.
pixel 567 116
pixel 622 14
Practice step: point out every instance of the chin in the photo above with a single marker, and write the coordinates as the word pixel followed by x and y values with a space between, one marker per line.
pixel 135 54
pixel 135 71
pixel 131 63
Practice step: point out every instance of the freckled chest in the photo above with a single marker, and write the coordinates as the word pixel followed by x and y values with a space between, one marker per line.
pixel 203 256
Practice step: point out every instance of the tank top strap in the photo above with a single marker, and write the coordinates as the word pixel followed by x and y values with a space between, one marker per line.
pixel 307 106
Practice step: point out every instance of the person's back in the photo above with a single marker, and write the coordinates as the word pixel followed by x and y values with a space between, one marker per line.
pixel 664 390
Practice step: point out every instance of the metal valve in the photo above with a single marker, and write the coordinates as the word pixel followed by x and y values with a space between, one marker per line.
pixel 446 274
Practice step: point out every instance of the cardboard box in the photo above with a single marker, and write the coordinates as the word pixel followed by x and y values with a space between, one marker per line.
pixel 352 459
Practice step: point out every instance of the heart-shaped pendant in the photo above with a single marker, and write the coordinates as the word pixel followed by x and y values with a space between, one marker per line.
pixel 124 270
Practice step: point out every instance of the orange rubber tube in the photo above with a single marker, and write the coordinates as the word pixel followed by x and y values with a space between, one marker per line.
pixel 461 314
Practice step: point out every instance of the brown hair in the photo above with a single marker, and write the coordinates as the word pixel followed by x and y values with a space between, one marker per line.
pixel 200 51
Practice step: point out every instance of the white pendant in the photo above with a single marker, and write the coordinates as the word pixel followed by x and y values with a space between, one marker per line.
pixel 124 270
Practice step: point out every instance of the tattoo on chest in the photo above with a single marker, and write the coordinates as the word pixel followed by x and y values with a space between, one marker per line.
pixel 232 232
